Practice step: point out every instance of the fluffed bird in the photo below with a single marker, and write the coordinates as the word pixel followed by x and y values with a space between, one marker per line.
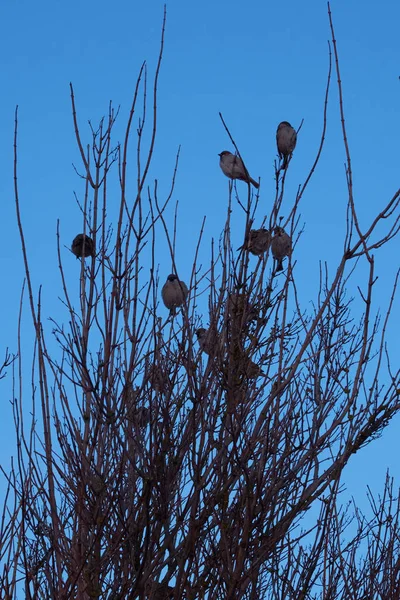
pixel 174 293
pixel 160 591
pixel 259 241
pixel 157 377
pixel 281 246
pixel 253 370
pixel 142 416
pixel 164 592
pixel 240 309
pixel 286 138
pixel 82 245
pixel 232 166
pixel 139 415
pixel 205 340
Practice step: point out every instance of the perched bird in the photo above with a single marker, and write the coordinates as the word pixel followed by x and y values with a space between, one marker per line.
pixel 157 377
pixel 174 293
pixel 232 166
pixel 82 245
pixel 164 592
pixel 160 591
pixel 259 241
pixel 142 416
pixel 286 138
pixel 205 340
pixel 281 246
pixel 253 370
pixel 139 415
pixel 240 309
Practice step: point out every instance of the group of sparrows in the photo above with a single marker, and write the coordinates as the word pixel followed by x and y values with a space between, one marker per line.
pixel 259 240
pixel 233 167
pixel 174 292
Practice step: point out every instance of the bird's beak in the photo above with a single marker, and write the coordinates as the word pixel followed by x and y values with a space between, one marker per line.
pixel 219 154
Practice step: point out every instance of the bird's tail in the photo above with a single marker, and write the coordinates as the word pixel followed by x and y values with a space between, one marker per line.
pixel 256 185
pixel 279 266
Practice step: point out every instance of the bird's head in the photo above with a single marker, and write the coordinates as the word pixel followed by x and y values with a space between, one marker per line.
pixel 284 124
pixel 199 332
pixel 224 153
pixel 172 277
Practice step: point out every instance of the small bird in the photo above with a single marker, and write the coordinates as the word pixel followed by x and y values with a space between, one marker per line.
pixel 174 293
pixel 253 370
pixel 160 591
pixel 157 377
pixel 281 246
pixel 232 166
pixel 142 416
pixel 259 241
pixel 139 415
pixel 82 245
pixel 204 339
pixel 164 592
pixel 241 309
pixel 286 138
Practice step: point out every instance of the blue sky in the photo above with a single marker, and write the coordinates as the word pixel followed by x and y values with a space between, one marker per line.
pixel 258 64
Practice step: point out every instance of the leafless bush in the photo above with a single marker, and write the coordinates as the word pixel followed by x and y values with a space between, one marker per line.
pixel 154 467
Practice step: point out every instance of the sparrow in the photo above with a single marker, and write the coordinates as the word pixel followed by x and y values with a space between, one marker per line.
pixel 240 308
pixel 259 241
pixel 138 414
pixel 286 138
pixel 156 377
pixel 174 293
pixel 164 592
pixel 204 339
pixel 142 416
pixel 253 370
pixel 281 246
pixel 160 591
pixel 82 245
pixel 232 166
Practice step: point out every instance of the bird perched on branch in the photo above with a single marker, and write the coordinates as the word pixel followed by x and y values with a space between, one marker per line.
pixel 239 308
pixel 232 166
pixel 174 293
pixel 259 241
pixel 206 340
pixel 82 245
pixel 286 138
pixel 157 377
pixel 253 370
pixel 281 246
pixel 160 591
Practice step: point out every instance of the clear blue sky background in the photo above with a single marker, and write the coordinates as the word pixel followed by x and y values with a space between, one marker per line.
pixel 258 63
